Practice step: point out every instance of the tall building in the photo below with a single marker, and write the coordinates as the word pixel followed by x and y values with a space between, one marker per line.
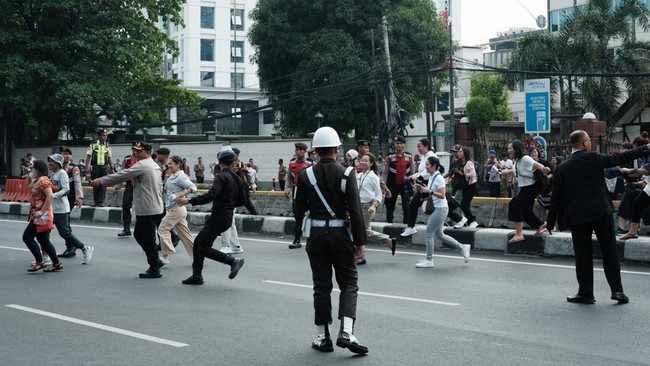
pixel 214 62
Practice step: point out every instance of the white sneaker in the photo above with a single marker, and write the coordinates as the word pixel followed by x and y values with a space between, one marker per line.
pixel 225 250
pixel 473 225
pixel 409 231
pixel 87 255
pixel 461 223
pixel 425 264
pixel 466 250
pixel 236 250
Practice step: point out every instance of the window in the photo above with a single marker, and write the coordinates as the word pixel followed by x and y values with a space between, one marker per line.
pixel 235 110
pixel 236 80
pixel 237 19
pixel 207 17
pixel 555 21
pixel 207 50
pixel 442 102
pixel 207 78
pixel 236 51
pixel 269 117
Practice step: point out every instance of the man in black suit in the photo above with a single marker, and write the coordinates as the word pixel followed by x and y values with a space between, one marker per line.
pixel 580 202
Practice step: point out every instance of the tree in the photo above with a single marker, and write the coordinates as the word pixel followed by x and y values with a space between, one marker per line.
pixel 585 44
pixel 70 62
pixel 317 56
pixel 492 87
pixel 481 112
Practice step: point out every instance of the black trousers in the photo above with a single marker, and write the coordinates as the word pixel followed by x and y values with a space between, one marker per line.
pixel 199 179
pixel 520 208
pixel 283 182
pixel 214 226
pixel 402 190
pixel 582 246
pixel 127 203
pixel 414 206
pixel 641 201
pixel 99 193
pixel 466 201
pixel 145 235
pixel 327 249
pixel 495 189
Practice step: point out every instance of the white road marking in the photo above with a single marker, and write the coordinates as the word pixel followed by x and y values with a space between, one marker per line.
pixel 369 294
pixel 99 326
pixel 11 248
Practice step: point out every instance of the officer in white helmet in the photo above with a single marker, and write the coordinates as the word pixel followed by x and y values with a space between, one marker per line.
pixel 329 192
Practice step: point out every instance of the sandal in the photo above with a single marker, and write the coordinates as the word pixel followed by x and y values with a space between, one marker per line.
pixel 36 267
pixel 515 240
pixel 629 236
pixel 54 267
pixel 540 229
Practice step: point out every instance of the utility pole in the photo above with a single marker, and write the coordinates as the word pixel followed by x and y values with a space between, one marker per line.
pixel 377 113
pixel 451 77
pixel 427 97
pixel 392 120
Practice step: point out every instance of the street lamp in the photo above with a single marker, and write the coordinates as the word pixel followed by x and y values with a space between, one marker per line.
pixel 319 118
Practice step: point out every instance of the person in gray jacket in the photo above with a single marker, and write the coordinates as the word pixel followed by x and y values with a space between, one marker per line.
pixel 147 202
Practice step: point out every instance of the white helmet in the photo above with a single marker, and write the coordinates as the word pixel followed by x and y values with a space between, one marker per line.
pixel 326 137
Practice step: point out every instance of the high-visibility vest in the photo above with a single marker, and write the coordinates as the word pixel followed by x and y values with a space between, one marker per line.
pixel 100 154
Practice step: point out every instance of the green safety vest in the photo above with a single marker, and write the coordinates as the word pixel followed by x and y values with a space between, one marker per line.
pixel 100 154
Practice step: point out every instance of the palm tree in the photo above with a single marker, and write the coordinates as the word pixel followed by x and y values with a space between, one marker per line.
pixel 598 38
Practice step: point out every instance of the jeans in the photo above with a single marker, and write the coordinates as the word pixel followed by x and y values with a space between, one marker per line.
pixel 62 223
pixel 435 230
pixel 43 239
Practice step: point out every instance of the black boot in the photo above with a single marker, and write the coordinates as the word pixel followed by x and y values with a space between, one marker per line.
pixel 194 279
pixel 124 233
pixel 296 243
pixel 151 273
pixel 235 265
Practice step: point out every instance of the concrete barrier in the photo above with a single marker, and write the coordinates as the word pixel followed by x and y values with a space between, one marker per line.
pixel 489 239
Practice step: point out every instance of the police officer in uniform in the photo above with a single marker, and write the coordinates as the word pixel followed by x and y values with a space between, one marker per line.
pixel 296 165
pixel 227 192
pixel 98 159
pixel 333 241
pixel 398 167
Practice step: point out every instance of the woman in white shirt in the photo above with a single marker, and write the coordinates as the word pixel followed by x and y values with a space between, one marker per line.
pixel 371 196
pixel 436 189
pixel 177 186
pixel 421 176
pixel 520 208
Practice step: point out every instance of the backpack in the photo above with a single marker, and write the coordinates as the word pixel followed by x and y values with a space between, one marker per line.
pixel 241 192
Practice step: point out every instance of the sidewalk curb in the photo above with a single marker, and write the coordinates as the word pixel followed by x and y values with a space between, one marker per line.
pixel 559 244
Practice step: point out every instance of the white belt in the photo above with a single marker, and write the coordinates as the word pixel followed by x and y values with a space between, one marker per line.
pixel 329 223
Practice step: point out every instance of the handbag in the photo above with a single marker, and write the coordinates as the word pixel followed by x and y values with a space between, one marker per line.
pixel 43 222
pixel 542 179
pixel 428 206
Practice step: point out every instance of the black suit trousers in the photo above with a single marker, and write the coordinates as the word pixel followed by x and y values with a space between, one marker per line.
pixel 582 246
pixel 329 248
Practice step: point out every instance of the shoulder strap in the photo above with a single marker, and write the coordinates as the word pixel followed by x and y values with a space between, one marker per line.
pixel 344 178
pixel 312 181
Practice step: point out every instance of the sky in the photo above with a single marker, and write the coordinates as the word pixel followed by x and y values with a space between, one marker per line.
pixel 482 19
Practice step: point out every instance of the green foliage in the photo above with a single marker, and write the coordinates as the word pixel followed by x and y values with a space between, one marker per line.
pixel 480 111
pixel 70 62
pixel 317 56
pixel 492 87
pixel 583 45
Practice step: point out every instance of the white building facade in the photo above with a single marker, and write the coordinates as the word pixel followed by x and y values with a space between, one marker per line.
pixel 214 62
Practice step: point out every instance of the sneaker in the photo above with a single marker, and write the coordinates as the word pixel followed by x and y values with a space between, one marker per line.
pixel 461 223
pixel 87 255
pixel 425 264
pixel 466 250
pixel 46 260
pixel 225 249
pixel 473 225
pixel 323 343
pixel 236 250
pixel 409 231
pixel 165 259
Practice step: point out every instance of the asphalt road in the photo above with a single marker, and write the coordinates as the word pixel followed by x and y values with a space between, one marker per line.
pixel 495 310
